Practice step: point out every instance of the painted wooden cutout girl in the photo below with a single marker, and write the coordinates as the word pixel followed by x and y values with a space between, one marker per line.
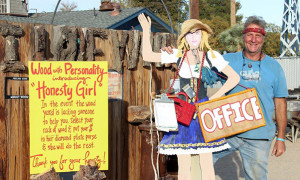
pixel 188 140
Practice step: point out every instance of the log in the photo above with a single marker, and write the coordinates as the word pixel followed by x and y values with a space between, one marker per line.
pixel 39 42
pixel 90 45
pixel 91 51
pixel 11 48
pixel 10 30
pixel 82 44
pixel 123 42
pixel 47 175
pixel 98 52
pixel 134 55
pixel 156 46
pixel 116 61
pixel 65 43
pixel 138 114
pixel 12 66
pixel 99 33
pixel 89 172
pixel 57 41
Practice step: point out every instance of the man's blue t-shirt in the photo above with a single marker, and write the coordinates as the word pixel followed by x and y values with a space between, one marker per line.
pixel 268 78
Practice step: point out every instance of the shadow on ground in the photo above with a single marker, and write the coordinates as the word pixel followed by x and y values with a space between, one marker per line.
pixel 228 168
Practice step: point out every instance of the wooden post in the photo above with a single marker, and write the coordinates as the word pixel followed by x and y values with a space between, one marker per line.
pixel 146 168
pixel 194 9
pixel 232 13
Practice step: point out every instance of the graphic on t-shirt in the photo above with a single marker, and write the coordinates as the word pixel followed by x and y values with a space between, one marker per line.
pixel 250 75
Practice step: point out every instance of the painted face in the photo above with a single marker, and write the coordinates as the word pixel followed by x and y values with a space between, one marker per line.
pixel 253 41
pixel 193 39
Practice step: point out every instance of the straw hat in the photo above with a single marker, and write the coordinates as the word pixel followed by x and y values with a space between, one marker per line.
pixel 192 25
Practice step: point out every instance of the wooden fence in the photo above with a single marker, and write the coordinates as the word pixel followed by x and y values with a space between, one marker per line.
pixel 47 42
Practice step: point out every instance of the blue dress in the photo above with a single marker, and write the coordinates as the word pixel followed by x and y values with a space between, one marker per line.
pixel 189 139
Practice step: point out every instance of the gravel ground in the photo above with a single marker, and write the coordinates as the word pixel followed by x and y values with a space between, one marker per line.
pixel 285 167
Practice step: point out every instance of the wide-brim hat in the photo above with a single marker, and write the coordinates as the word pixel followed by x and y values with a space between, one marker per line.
pixel 193 25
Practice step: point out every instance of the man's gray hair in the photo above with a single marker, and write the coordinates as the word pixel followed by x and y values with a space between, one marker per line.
pixel 255 20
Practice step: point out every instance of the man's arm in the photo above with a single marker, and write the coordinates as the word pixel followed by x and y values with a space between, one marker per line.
pixel 281 119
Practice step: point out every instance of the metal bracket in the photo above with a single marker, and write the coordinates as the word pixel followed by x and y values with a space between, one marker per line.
pixel 14 96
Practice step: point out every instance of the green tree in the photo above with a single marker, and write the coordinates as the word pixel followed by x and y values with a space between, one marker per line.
pixel 232 39
pixel 208 9
pixel 216 14
pixel 178 9
pixel 272 40
pixel 218 25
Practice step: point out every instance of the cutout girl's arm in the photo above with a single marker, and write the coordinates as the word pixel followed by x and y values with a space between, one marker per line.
pixel 147 52
pixel 232 81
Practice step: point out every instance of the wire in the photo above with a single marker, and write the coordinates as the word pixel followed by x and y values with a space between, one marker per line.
pixel 151 127
pixel 168 15
pixel 55 11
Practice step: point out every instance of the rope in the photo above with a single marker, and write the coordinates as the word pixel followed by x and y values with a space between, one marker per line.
pixel 156 173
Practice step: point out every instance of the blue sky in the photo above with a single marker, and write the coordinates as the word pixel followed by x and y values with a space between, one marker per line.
pixel 270 10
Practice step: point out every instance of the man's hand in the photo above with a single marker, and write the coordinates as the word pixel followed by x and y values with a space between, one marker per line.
pixel 279 148
pixel 168 49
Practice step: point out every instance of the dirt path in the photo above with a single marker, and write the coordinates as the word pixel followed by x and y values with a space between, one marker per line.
pixel 285 167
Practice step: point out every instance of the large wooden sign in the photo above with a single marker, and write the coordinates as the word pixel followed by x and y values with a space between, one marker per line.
pixel 229 115
pixel 68 114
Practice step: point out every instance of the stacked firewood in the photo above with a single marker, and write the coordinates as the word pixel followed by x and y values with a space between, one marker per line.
pixel 89 172
pixel 47 175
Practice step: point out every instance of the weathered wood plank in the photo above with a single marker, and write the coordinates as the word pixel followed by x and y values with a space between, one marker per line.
pixel 6 29
pixel 116 61
pixel 65 43
pixel 82 44
pixel 123 43
pixel 156 46
pixel 138 114
pixel 26 53
pixel 147 145
pixel 134 42
pixel 39 43
pixel 3 135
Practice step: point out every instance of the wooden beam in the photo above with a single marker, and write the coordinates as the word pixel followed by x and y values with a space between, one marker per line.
pixel 232 13
pixel 194 9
